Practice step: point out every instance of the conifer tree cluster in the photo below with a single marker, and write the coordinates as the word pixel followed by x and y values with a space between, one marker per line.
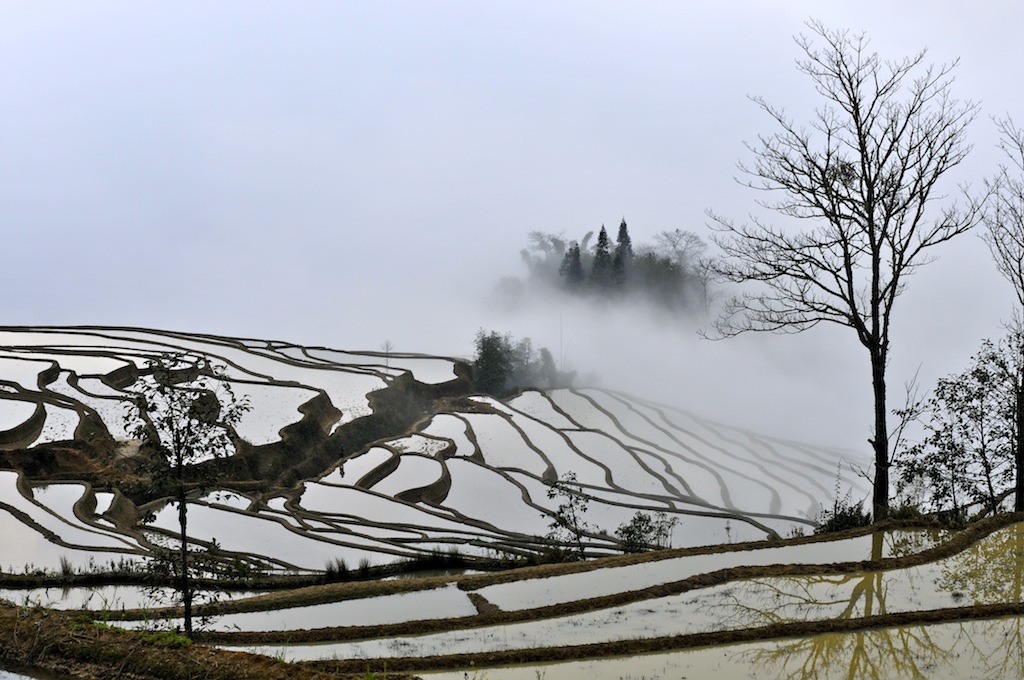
pixel 503 365
pixel 671 272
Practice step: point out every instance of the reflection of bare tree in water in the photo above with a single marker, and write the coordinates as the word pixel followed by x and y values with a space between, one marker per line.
pixel 990 571
pixel 879 654
pixel 882 653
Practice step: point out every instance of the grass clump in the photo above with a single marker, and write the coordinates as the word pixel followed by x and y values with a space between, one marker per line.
pixel 336 570
pixel 167 638
pixel 845 514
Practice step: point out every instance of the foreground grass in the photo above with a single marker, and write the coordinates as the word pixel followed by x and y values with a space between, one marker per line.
pixel 74 645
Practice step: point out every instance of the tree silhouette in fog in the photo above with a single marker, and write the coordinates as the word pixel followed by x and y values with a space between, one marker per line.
pixel 863 175
pixel 670 272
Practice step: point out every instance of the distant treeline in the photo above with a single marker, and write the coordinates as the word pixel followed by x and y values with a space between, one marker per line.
pixel 671 272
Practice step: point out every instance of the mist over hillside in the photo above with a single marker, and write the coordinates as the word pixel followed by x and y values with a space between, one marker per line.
pixel 643 336
pixel 348 206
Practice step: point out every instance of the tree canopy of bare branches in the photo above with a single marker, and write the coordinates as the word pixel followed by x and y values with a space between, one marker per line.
pixel 1004 233
pixel 1004 218
pixel 864 176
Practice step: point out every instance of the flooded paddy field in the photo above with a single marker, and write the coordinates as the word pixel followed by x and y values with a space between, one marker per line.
pixel 348 467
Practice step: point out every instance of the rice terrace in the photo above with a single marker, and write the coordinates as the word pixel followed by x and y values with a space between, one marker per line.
pixel 375 514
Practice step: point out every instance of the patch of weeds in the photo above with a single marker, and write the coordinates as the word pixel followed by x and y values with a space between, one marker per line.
pixel 906 511
pixel 167 638
pixel 336 570
pixel 374 675
pixel 845 514
pixel 434 560
pixel 796 532
pixel 644 532
pixel 477 674
pixel 955 518
pixel 95 654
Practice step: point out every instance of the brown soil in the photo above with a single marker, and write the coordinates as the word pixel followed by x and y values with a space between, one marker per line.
pixel 74 647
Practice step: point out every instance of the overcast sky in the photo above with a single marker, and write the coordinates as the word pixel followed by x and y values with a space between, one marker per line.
pixel 341 173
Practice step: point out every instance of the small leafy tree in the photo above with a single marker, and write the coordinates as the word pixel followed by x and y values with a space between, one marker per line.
pixel 544 256
pixel 492 367
pixel 567 524
pixel 185 411
pixel 643 532
pixel 968 453
pixel 1004 222
pixel 659 279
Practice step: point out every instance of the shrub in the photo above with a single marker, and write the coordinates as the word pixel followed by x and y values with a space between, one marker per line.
pixel 844 515
pixel 336 570
pixel 643 533
pixel 167 638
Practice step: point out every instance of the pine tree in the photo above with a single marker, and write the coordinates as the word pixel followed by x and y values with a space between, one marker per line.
pixel 623 255
pixel 571 268
pixel 492 368
pixel 601 274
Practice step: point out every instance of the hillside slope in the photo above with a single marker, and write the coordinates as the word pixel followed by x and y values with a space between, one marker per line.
pixel 368 457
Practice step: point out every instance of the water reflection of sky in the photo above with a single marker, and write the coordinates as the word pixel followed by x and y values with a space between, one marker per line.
pixel 969 650
pixel 987 572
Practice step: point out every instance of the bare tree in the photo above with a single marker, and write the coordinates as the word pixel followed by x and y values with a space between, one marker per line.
pixel 1004 222
pixel 864 172
pixel 682 247
pixel 387 346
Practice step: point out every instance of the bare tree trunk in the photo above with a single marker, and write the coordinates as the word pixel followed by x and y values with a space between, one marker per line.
pixel 880 499
pixel 986 465
pixel 1018 496
pixel 186 588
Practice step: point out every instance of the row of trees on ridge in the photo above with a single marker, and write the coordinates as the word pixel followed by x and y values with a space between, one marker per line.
pixel 672 271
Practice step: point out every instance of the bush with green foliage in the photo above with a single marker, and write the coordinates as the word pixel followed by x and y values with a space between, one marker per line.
pixel 644 532
pixel 844 514
pixel 967 456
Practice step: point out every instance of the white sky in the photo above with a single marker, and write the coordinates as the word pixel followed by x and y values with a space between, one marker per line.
pixel 339 173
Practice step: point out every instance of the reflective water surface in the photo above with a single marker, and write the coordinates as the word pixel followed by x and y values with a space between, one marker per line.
pixel 970 650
